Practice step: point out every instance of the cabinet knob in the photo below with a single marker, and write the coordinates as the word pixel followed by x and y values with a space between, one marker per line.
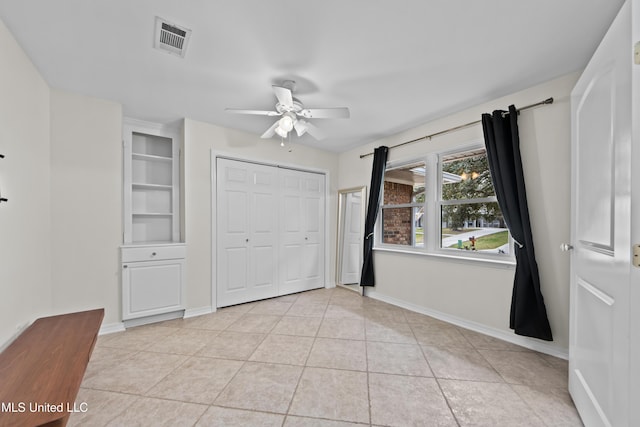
pixel 246 240
pixel 153 254
pixel 124 266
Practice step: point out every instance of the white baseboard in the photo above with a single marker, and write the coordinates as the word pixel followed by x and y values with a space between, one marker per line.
pixel 526 342
pixel 120 326
pixel 200 311
pixel 111 328
pixel 178 314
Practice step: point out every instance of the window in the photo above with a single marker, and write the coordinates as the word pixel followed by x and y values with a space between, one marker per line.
pixel 471 219
pixel 403 205
pixel 445 204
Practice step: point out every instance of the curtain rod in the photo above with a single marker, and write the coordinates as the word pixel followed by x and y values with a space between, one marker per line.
pixel 442 132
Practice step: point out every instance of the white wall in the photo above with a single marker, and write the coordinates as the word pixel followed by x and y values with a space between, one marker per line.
pixel 199 139
pixel 476 294
pixel 25 229
pixel 86 203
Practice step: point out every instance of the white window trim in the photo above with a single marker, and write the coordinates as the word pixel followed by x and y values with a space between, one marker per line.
pixel 432 208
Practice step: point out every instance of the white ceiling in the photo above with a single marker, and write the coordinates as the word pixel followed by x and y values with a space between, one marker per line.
pixel 395 64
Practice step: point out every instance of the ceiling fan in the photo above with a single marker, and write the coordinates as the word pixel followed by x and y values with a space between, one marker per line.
pixel 293 115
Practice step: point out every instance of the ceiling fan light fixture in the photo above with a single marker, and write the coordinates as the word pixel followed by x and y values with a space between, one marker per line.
pixel 286 123
pixel 281 132
pixel 293 114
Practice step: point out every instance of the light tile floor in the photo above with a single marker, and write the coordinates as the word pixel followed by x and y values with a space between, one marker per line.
pixel 327 357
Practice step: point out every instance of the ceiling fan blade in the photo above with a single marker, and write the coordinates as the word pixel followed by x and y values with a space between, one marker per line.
pixel 301 127
pixel 325 113
pixel 271 131
pixel 315 132
pixel 256 112
pixel 284 95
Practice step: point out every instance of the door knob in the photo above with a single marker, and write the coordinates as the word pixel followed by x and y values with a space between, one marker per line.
pixel 565 247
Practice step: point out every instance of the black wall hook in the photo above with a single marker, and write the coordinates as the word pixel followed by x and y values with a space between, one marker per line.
pixel 2 199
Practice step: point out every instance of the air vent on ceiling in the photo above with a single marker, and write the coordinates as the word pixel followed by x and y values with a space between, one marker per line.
pixel 171 38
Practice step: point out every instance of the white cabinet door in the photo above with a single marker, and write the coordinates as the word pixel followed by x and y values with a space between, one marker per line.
pixel 246 230
pixel 599 361
pixel 151 288
pixel 301 231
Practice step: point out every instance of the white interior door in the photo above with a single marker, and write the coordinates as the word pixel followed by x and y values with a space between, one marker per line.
pixel 599 362
pixel 301 231
pixel 352 239
pixel 247 232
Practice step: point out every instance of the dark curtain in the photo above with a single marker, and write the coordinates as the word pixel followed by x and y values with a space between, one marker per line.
pixel 377 177
pixel 528 312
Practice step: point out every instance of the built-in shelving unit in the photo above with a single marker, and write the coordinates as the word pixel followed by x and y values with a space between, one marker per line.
pixel 153 255
pixel 151 183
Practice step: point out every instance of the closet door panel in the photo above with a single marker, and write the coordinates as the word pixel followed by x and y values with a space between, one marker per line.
pixel 263 214
pixel 302 231
pixel 233 231
pixel 246 230
pixel 311 265
pixel 263 266
pixel 290 214
pixel 314 186
pixel 264 232
pixel 235 266
pixel 236 209
pixel 312 211
pixel 293 256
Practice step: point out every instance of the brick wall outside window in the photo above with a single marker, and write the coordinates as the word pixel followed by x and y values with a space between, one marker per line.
pixel 396 224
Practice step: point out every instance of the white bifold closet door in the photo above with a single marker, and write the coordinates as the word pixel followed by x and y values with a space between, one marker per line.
pixel 301 252
pixel 247 227
pixel 270 231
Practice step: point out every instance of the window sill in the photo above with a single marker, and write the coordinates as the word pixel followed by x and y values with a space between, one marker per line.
pixel 507 263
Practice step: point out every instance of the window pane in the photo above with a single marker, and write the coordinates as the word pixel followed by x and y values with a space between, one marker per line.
pixel 397 226
pixel 404 185
pixel 474 227
pixel 419 221
pixel 466 176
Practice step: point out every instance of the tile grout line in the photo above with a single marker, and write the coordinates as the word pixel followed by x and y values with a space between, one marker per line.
pixel 526 402
pixel 304 368
pixel 366 358
pixel 420 346
pixel 244 362
pixel 444 396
